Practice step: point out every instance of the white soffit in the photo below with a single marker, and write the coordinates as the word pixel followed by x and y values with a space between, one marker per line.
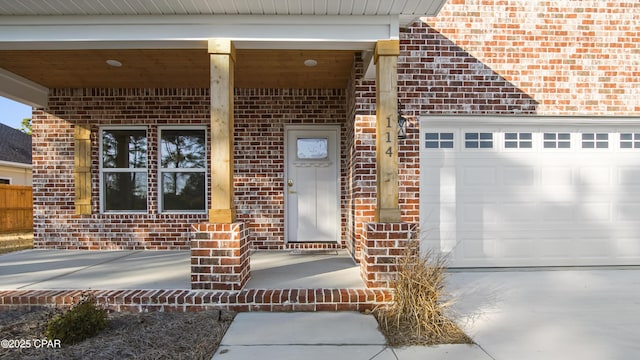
pixel 408 10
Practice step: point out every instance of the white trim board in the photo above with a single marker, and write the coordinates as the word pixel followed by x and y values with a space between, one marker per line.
pixel 526 120
pixel 15 31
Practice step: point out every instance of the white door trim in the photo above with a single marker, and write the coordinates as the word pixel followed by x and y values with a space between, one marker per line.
pixel 320 127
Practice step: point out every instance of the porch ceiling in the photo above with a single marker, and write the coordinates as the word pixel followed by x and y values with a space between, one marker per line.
pixel 255 68
pixel 407 10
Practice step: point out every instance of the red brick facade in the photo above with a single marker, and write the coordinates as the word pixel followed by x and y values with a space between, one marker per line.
pixel 571 56
pixel 260 118
pixel 219 256
pixel 55 223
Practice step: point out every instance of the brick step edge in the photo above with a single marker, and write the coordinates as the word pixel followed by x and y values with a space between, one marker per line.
pixel 200 300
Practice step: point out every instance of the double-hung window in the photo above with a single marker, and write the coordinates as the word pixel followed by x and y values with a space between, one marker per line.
pixel 183 160
pixel 123 169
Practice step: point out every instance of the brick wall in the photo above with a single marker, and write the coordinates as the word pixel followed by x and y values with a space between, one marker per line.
pixel 55 223
pixel 571 56
pixel 260 117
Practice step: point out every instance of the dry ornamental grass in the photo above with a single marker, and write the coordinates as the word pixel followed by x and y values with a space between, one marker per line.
pixel 156 335
pixel 418 314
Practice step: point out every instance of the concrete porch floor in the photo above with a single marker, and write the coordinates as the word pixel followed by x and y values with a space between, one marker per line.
pixel 124 270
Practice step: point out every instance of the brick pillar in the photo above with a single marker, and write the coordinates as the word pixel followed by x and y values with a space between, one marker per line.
pixel 219 256
pixel 382 244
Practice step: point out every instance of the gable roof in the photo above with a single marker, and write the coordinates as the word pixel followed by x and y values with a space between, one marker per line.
pixel 15 146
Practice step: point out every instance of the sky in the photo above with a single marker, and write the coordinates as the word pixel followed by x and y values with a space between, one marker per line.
pixel 12 113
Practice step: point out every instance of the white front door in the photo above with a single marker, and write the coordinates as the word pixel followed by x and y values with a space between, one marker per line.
pixel 312 183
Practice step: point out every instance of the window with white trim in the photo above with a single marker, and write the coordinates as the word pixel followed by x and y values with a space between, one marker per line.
pixel 182 178
pixel 518 140
pixel 439 140
pixel 595 140
pixel 123 169
pixel 557 140
pixel 478 140
pixel 630 140
pixel 5 181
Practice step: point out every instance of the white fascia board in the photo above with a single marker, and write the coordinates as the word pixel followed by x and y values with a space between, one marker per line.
pixel 15 164
pixel 20 31
pixel 430 121
pixel 22 90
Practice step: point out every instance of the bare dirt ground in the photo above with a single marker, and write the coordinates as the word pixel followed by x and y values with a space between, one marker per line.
pixel 128 336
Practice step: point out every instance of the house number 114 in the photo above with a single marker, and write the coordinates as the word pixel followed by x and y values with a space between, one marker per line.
pixel 388 133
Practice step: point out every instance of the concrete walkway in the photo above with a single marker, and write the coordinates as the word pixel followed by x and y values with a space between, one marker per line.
pixel 591 314
pixel 323 335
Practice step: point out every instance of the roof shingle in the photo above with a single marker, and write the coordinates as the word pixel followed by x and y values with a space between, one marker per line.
pixel 15 146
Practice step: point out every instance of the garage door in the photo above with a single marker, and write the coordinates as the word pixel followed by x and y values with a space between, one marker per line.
pixel 538 193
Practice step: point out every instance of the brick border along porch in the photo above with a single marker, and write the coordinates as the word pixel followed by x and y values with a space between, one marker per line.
pixel 200 300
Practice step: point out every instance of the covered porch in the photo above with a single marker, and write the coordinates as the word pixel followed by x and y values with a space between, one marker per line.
pixel 246 91
pixel 168 270
pixel 160 281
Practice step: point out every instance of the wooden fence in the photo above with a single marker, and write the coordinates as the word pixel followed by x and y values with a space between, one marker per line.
pixel 16 208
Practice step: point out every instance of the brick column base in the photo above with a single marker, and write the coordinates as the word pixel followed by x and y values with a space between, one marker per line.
pixel 219 256
pixel 382 244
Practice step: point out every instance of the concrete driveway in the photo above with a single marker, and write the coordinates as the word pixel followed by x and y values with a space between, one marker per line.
pixel 564 314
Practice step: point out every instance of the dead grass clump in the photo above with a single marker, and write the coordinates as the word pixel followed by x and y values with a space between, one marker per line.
pixel 417 315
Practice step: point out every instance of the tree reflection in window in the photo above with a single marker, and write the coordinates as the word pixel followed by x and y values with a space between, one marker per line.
pixel 182 167
pixel 124 169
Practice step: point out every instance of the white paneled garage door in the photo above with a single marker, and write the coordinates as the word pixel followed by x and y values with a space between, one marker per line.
pixel 531 191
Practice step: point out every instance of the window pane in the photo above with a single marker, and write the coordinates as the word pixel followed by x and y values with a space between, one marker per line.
pixel 183 149
pixel 125 191
pixel 124 149
pixel 549 136
pixel 431 136
pixel 183 191
pixel 564 136
pixel 446 136
pixel 486 144
pixel 625 137
pixel 312 148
